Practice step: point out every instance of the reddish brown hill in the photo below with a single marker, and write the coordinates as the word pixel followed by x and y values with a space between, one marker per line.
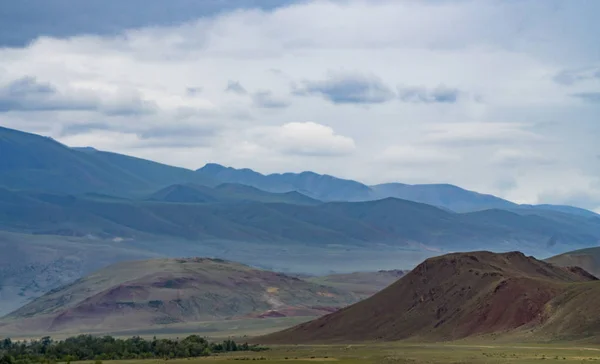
pixel 445 298
pixel 142 294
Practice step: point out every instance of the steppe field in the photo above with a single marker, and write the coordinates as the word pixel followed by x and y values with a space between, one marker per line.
pixel 405 353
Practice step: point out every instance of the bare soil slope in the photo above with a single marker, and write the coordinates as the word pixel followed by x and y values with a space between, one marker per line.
pixel 446 298
pixel 146 293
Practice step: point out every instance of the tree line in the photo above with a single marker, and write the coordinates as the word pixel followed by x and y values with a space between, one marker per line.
pixel 88 347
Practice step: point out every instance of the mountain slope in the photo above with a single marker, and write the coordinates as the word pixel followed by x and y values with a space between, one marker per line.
pixel 446 298
pixel 442 195
pixel 33 162
pixel 386 223
pixel 165 291
pixel 226 192
pixel 588 259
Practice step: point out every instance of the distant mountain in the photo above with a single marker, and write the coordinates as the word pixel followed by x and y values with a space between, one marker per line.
pixel 464 295
pixel 166 291
pixel 442 195
pixel 320 187
pixel 227 192
pixel 387 223
pixel 562 208
pixel 328 188
pixel 33 162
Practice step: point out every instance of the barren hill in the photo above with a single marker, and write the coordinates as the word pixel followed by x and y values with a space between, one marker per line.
pixel 146 293
pixel 451 297
pixel 588 259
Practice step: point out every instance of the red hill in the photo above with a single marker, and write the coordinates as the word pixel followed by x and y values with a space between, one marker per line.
pixel 446 298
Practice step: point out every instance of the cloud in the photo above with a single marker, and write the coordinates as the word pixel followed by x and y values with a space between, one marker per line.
pixel 28 94
pixel 416 155
pixel 573 76
pixel 307 139
pixel 521 157
pixel 348 89
pixel 440 94
pixel 591 97
pixel 265 99
pixel 235 87
pixel 473 134
pixel 82 128
pixel 193 91
pixel 24 21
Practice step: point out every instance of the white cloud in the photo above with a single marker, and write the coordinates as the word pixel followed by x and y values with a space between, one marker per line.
pixel 308 138
pixel 509 68
pixel 417 156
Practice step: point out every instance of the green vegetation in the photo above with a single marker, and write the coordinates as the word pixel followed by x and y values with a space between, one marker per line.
pixel 399 353
pixel 87 347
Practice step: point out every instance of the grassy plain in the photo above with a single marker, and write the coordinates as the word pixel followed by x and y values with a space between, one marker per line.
pixel 400 353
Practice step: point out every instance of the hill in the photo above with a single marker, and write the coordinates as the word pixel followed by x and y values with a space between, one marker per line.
pixel 226 192
pixel 588 259
pixel 452 297
pixel 146 293
pixel 33 162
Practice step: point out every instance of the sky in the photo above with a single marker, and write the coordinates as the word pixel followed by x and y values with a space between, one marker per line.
pixel 501 97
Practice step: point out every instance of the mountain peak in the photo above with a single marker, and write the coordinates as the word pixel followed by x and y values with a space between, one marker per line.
pixel 212 168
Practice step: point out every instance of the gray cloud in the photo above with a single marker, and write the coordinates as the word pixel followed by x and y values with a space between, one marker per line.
pixel 592 97
pixel 265 99
pixel 572 76
pixel 193 91
pixel 25 20
pixel 235 87
pixel 76 129
pixel 440 94
pixel 348 89
pixel 28 94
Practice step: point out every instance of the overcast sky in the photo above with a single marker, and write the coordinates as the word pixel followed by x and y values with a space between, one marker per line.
pixel 501 97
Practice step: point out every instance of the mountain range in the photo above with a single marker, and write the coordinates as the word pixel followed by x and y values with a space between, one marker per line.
pixel 33 162
pixel 58 203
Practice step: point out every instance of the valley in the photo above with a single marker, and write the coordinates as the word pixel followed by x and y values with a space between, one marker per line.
pixel 140 248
